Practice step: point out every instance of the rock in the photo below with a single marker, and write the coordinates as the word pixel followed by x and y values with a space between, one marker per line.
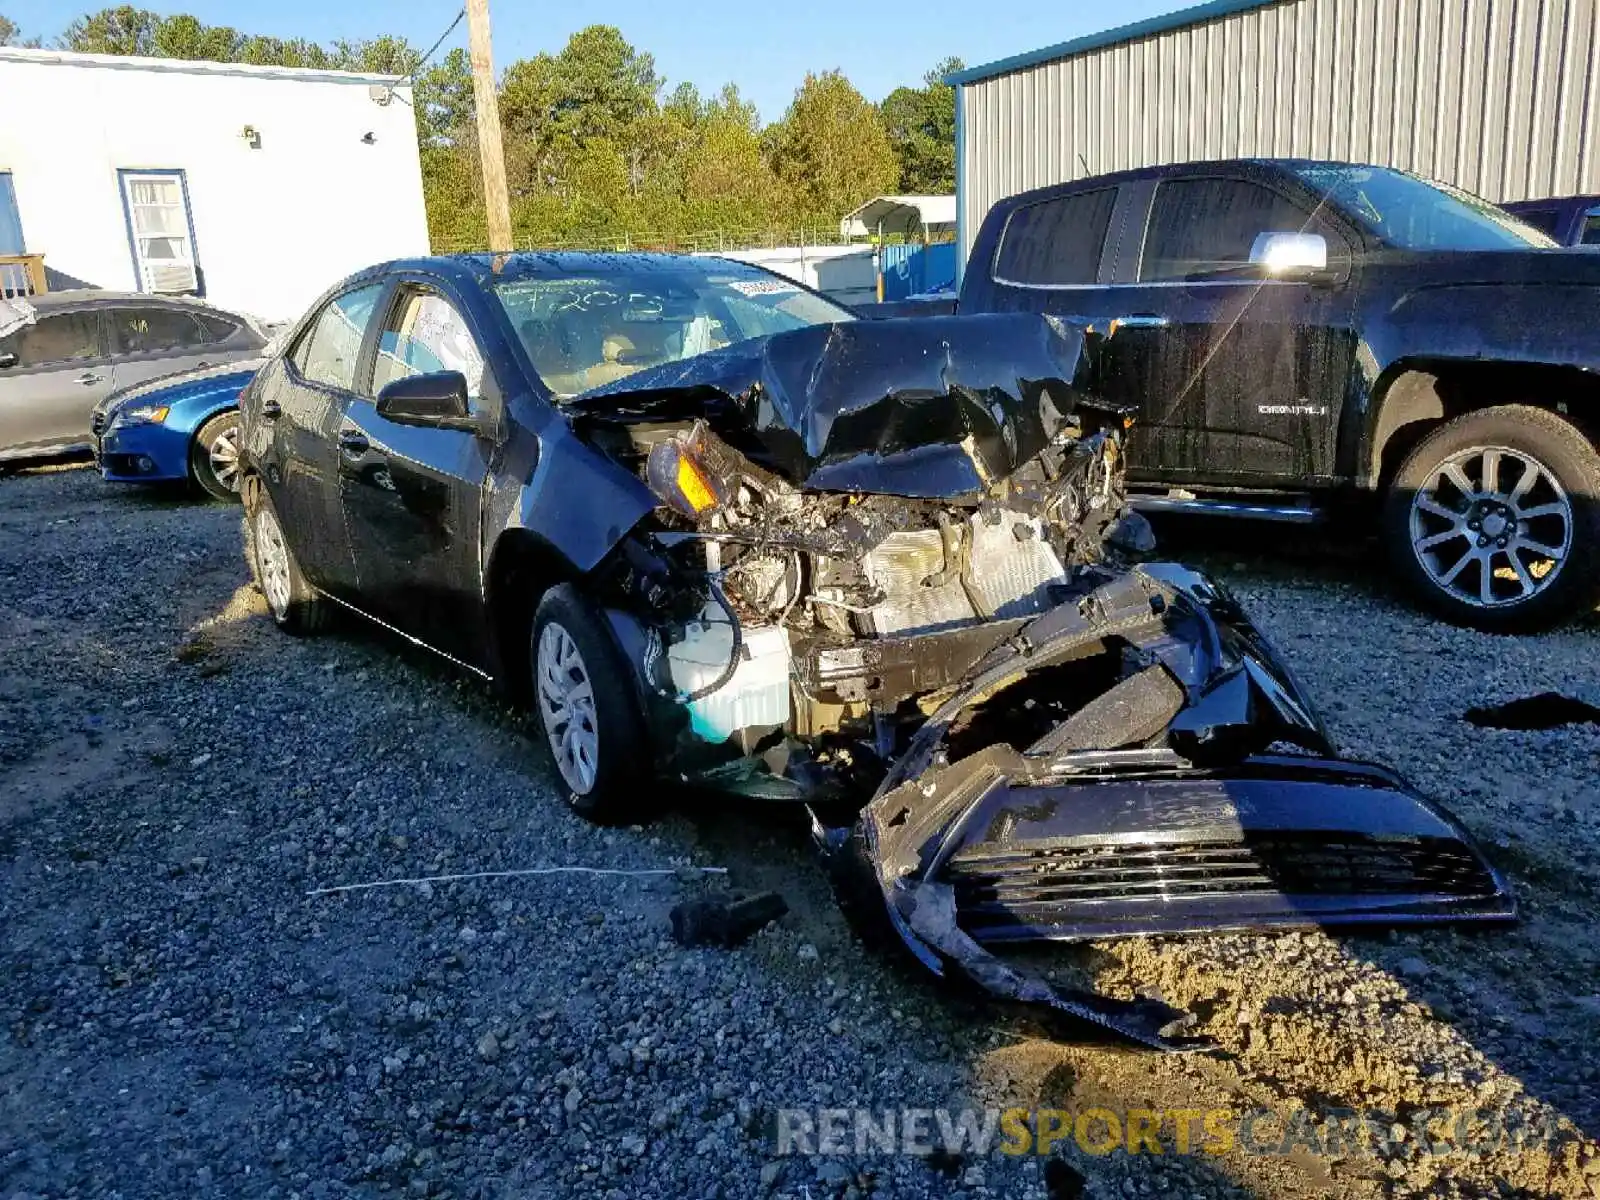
pixel 771 1174
pixel 489 1047
pixel 1413 968
pixel 832 1173
pixel 807 952
pixel 572 1100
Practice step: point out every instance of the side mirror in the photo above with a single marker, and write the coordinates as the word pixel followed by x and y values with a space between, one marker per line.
pixel 1290 255
pixel 7 359
pixel 439 399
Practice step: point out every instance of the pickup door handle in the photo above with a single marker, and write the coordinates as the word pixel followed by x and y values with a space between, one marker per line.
pixel 1140 321
pixel 354 443
pixel 89 379
pixel 271 409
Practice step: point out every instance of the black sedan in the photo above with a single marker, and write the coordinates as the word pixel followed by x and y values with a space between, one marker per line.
pixel 719 533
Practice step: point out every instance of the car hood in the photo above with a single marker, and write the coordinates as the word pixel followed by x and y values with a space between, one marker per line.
pixel 932 407
pixel 206 379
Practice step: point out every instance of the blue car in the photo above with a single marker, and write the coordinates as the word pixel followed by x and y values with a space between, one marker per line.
pixel 177 428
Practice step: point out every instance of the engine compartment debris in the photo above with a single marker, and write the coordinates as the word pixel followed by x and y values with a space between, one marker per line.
pixel 892 575
pixel 725 921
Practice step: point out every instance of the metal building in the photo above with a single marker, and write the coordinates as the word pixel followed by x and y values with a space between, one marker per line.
pixel 1500 97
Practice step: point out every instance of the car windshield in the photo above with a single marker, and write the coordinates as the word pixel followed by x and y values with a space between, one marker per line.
pixel 587 330
pixel 1415 214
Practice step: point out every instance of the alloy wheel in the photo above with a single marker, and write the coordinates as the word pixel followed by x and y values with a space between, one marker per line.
pixel 223 456
pixel 1492 526
pixel 272 560
pixel 566 702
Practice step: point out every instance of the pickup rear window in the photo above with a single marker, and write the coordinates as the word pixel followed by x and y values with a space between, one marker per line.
pixel 1056 241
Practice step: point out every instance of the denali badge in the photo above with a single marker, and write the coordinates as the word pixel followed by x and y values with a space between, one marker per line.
pixel 1304 409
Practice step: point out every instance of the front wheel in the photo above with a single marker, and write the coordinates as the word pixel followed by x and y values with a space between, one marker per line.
pixel 214 456
pixel 589 714
pixel 1494 520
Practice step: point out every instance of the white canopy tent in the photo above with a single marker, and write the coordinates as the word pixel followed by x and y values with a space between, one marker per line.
pixel 908 216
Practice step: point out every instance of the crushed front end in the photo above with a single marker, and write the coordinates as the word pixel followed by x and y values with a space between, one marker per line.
pixel 893 576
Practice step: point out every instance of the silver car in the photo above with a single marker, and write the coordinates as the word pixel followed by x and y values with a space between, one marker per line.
pixel 85 344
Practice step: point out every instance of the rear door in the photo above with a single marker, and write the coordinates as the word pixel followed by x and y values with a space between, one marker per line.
pixel 151 340
pixel 1241 377
pixel 59 371
pixel 304 403
pixel 412 495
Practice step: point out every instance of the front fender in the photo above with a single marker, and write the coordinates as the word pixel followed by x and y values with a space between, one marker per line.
pixel 580 502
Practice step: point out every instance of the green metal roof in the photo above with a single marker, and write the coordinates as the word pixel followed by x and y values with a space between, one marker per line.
pixel 1109 37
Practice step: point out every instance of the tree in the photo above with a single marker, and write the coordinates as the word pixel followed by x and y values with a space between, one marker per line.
pixel 831 149
pixel 126 30
pixel 8 31
pixel 553 106
pixel 921 124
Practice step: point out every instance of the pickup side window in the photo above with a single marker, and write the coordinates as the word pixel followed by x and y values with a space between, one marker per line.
pixel 1544 220
pixel 1591 229
pixel 1206 227
pixel 1057 241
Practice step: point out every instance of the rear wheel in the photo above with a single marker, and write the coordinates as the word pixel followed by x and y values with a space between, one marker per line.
pixel 214 456
pixel 293 603
pixel 589 714
pixel 1494 520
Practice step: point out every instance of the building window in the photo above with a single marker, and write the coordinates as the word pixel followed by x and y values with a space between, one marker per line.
pixel 161 232
pixel 10 218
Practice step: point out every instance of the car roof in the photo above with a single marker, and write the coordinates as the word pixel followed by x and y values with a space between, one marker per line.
pixel 563 264
pixel 84 297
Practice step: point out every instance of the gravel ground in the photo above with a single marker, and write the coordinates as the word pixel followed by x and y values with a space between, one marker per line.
pixel 181 1017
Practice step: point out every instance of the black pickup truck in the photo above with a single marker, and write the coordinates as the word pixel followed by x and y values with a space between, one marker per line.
pixel 1303 339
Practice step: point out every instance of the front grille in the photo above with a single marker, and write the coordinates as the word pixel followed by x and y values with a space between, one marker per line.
pixel 1025 884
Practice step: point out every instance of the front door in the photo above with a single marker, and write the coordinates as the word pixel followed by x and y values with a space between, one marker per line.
pixel 412 494
pixel 304 402
pixel 52 374
pixel 1240 378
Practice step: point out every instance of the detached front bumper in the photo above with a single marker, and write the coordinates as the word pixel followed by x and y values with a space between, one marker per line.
pixel 1158 808
pixel 148 453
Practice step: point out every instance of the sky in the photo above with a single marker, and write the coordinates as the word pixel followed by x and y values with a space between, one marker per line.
pixel 765 47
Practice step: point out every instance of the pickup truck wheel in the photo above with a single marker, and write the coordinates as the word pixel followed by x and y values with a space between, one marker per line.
pixel 1494 520
pixel 587 711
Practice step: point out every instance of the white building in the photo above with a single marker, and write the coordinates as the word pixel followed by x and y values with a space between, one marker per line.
pixel 255 187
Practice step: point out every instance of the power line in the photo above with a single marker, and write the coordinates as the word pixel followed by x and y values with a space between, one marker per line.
pixel 411 75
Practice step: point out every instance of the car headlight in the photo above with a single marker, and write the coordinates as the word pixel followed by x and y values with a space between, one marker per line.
pixel 143 414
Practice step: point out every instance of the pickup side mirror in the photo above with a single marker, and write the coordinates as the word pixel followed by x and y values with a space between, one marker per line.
pixel 438 399
pixel 7 359
pixel 1290 255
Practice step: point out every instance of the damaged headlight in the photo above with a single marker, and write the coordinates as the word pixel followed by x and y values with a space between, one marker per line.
pixel 677 475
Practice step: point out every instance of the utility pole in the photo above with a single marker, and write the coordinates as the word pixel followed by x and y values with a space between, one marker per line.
pixel 490 150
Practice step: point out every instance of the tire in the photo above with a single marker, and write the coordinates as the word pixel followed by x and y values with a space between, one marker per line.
pixel 294 604
pixel 214 456
pixel 1494 520
pixel 586 710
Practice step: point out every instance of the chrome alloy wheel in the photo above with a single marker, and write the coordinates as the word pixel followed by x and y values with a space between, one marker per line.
pixel 272 560
pixel 223 455
pixel 566 703
pixel 1492 526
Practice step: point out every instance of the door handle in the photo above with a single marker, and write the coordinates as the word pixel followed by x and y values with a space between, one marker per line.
pixel 271 409
pixel 1140 321
pixel 89 378
pixel 354 443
